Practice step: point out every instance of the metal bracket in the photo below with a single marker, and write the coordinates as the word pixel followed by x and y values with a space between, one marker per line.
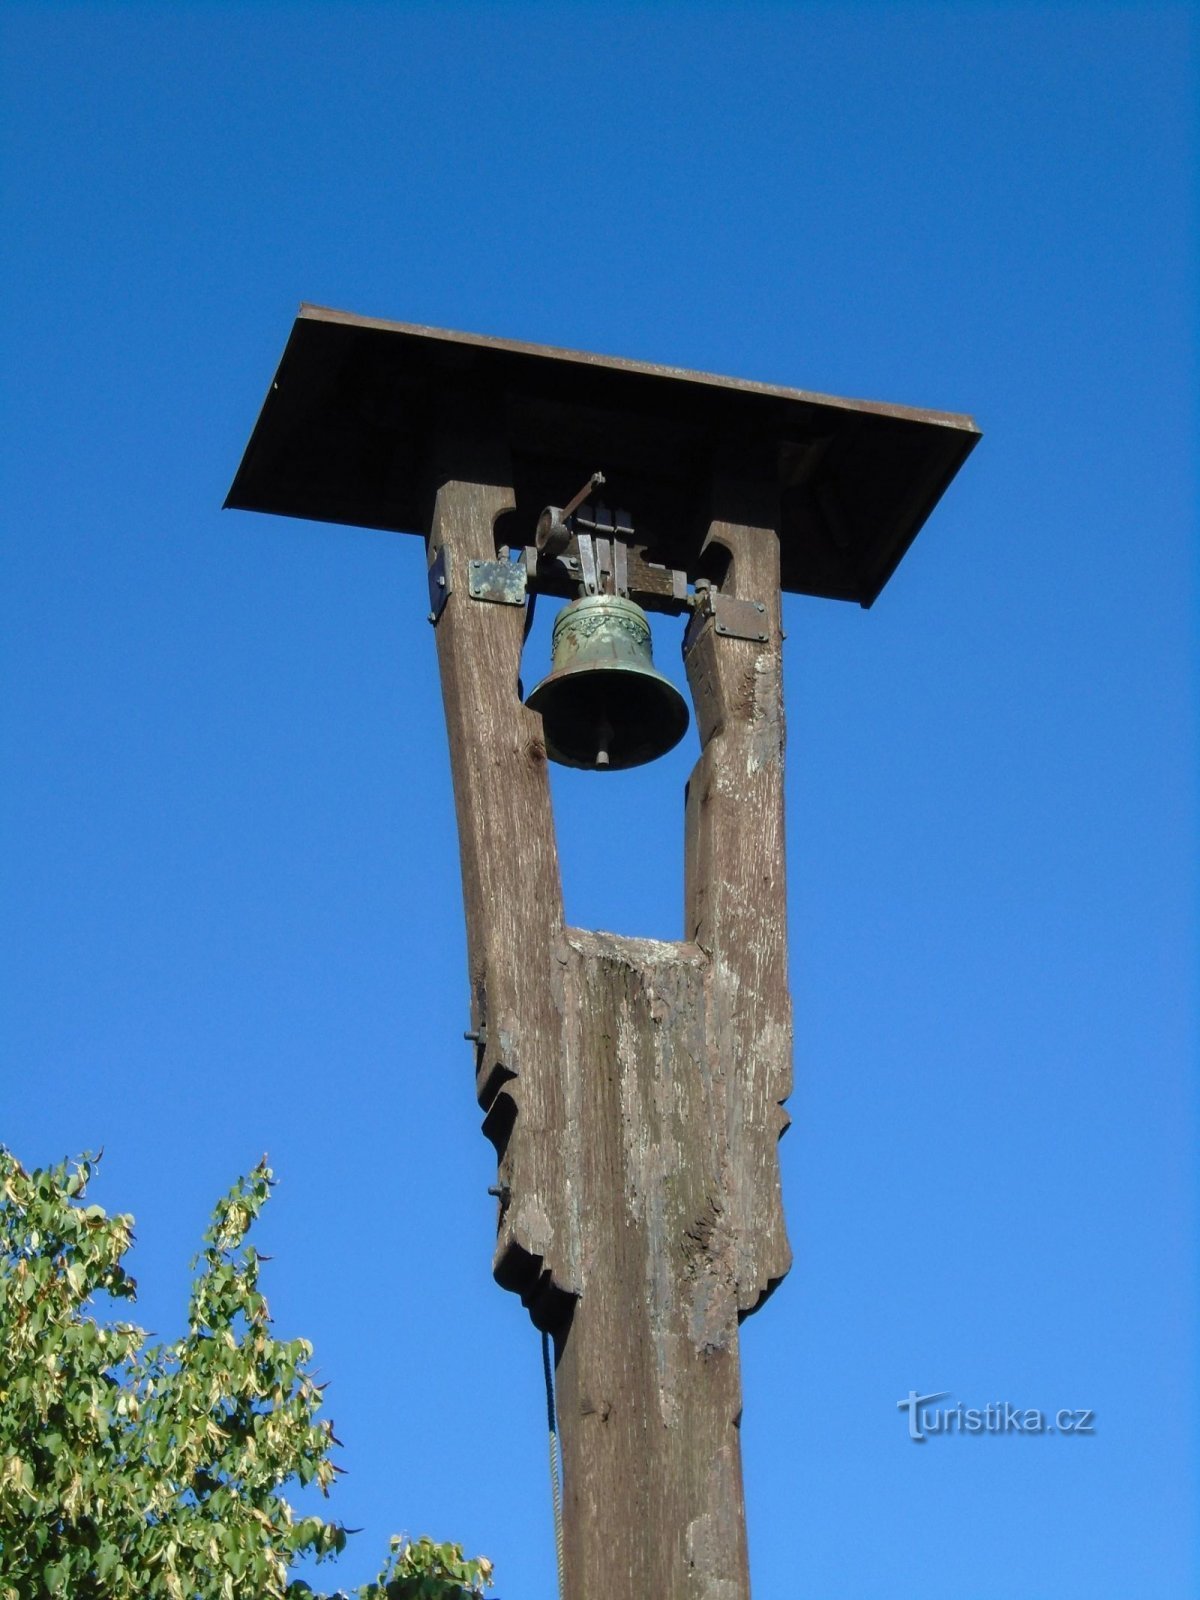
pixel 501 582
pixel 740 619
pixel 732 619
pixel 587 564
pixel 439 585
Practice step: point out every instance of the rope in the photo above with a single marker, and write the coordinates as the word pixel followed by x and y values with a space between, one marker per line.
pixel 555 1479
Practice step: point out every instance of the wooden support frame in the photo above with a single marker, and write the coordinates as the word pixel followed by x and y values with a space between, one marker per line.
pixel 633 1088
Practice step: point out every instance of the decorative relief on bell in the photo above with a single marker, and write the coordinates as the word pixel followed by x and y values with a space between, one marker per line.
pixel 604 705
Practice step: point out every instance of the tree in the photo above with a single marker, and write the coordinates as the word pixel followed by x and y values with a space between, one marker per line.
pixel 139 1471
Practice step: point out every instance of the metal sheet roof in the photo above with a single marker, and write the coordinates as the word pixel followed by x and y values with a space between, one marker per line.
pixel 363 414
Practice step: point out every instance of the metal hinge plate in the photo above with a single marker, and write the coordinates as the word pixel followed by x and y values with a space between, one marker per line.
pixel 740 619
pixel 501 582
pixel 732 619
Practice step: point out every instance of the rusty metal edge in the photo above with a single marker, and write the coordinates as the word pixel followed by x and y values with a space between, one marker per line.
pixel 946 419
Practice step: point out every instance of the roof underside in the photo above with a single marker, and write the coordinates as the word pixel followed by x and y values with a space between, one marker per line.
pixel 363 414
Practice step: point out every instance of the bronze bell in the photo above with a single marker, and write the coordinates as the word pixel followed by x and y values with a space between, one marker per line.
pixel 603 705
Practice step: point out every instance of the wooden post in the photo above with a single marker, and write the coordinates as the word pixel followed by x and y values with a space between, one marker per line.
pixel 648 1376
pixel 736 894
pixel 632 1087
pixel 512 896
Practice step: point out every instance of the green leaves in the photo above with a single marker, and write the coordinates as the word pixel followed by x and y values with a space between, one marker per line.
pixel 428 1571
pixel 132 1471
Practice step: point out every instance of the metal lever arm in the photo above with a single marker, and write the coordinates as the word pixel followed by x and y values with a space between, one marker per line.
pixel 553 527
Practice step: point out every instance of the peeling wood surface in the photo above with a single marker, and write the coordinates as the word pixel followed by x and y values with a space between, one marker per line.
pixel 511 893
pixel 648 1375
pixel 632 1087
pixel 735 892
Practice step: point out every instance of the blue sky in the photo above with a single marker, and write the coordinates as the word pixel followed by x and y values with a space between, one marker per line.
pixel 232 908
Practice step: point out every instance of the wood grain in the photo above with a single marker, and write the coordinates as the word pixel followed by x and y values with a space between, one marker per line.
pixel 632 1087
pixel 648 1369
pixel 512 897
pixel 735 890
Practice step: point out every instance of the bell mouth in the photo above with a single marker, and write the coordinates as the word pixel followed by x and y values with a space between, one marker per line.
pixel 606 719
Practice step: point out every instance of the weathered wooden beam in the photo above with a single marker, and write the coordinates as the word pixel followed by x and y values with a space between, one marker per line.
pixel 735 884
pixel 511 892
pixel 649 1385
pixel 632 1087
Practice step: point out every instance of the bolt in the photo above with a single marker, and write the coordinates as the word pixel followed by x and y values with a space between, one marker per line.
pixel 758 606
pixel 442 583
pixel 432 617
